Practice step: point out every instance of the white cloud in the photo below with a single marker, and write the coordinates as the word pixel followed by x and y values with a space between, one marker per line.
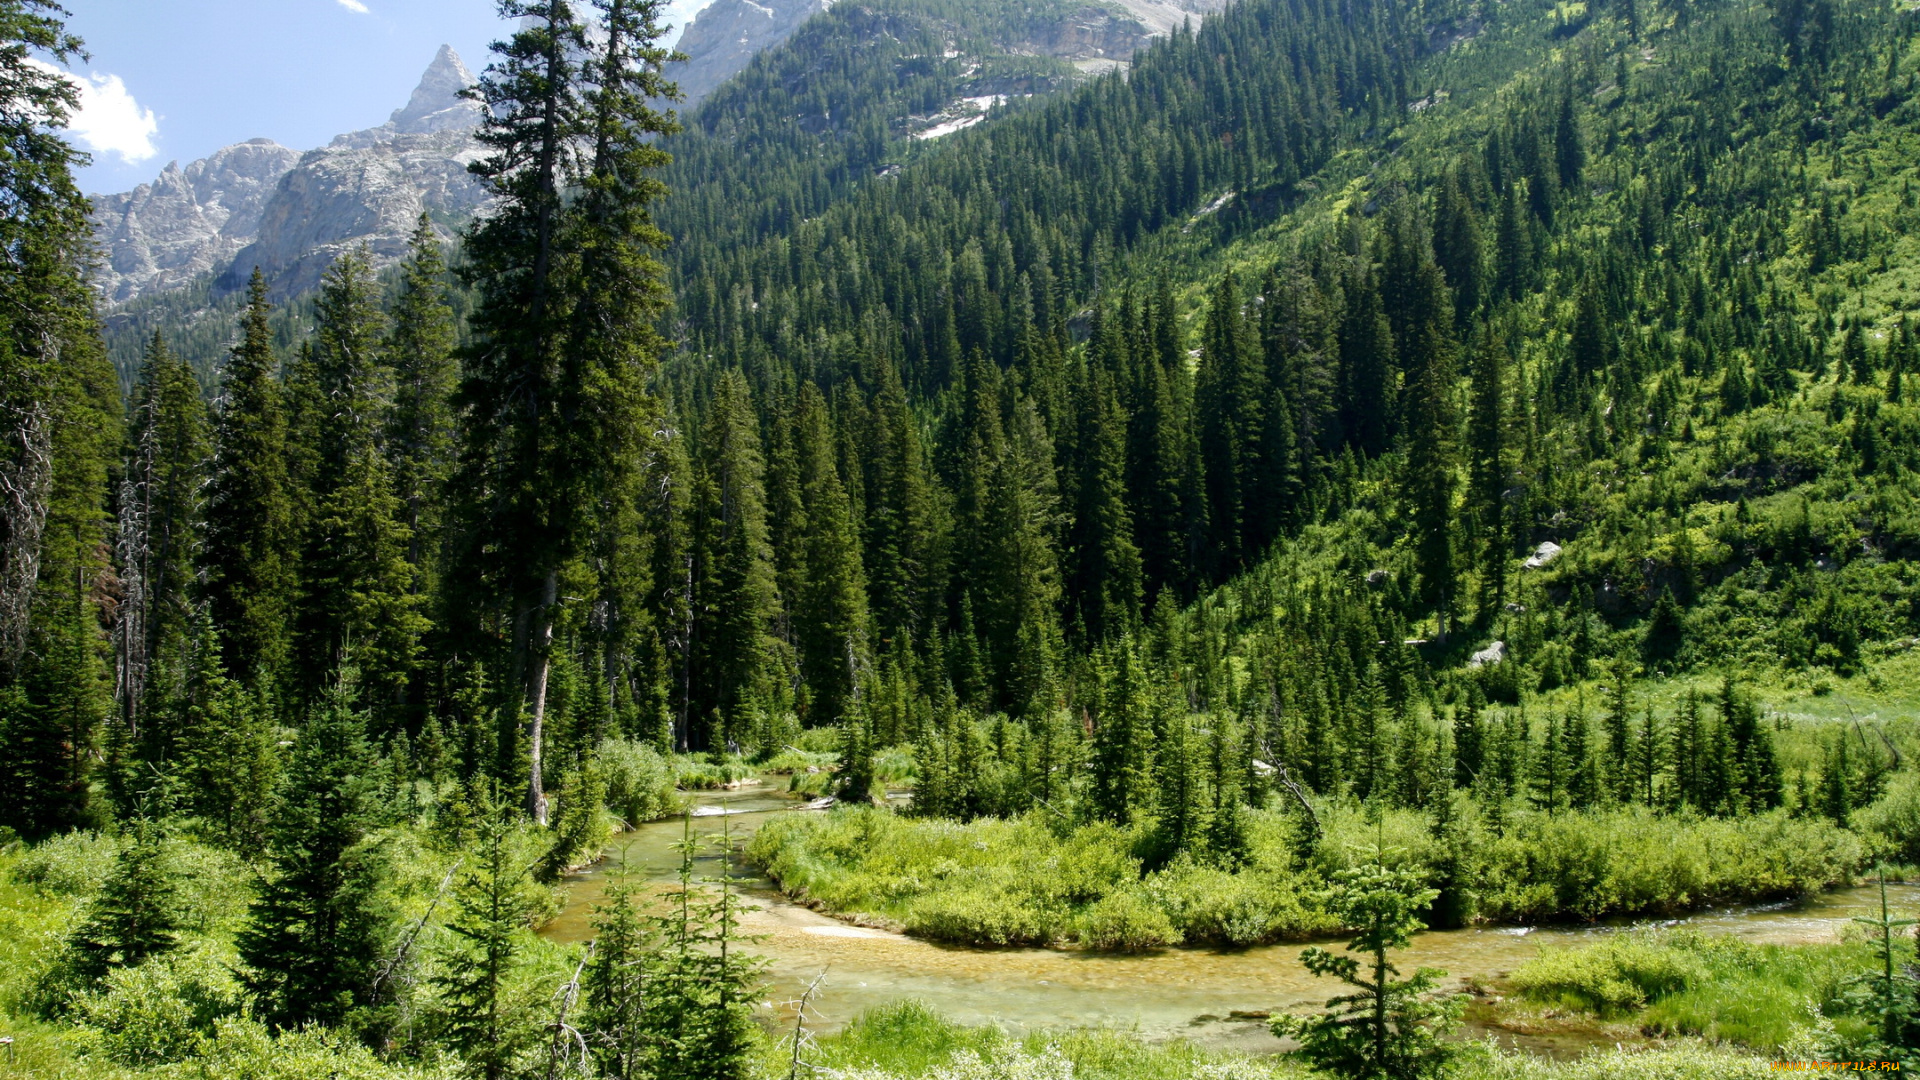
pixel 354 6
pixel 109 120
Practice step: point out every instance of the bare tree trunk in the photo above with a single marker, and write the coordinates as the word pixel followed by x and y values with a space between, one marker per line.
pixel 130 618
pixel 26 480
pixel 540 663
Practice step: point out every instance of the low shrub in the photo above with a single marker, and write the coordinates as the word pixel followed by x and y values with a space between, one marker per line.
pixel 792 760
pixel 985 915
pixel 937 874
pixel 1687 984
pixel 700 774
pixel 1126 920
pixel 72 864
pixel 640 784
pixel 1891 824
pixel 160 1012
pixel 1611 979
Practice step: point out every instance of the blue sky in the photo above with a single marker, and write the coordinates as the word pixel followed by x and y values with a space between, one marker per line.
pixel 178 79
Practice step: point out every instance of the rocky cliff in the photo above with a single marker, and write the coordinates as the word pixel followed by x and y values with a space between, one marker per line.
pixel 261 204
pixel 188 221
pixel 727 34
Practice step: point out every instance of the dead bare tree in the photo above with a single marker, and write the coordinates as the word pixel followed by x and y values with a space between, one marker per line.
pixel 801 1037
pixel 568 1047
pixel 26 481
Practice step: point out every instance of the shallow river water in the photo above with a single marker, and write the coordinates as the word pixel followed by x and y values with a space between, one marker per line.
pixel 1189 993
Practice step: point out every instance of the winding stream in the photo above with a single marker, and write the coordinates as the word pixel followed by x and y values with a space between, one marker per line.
pixel 1190 993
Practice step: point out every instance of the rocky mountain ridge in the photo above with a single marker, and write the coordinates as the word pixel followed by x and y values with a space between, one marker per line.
pixel 260 204
pixel 289 213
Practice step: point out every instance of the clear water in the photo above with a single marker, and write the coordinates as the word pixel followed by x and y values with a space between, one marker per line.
pixel 1190 993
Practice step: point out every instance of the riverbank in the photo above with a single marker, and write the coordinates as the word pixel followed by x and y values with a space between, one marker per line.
pixel 1028 881
pixel 910 1041
pixel 1216 998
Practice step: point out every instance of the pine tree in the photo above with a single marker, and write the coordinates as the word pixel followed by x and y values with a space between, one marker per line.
pixel 616 980
pixel 358 603
pixel 1017 589
pixel 699 1008
pixel 319 927
pixel 830 608
pixel 1388 1027
pixel 420 431
pixel 220 740
pixel 902 528
pixel 735 594
pixel 1368 397
pixel 1757 783
pixel 1617 734
pixel 159 518
pixel 1513 249
pixel 1457 247
pixel 1430 477
pixel 50 718
pixel 1106 574
pixel 488 1019
pixel 137 914
pixel 1121 752
pixel 1229 403
pixel 1836 782
pixel 1488 462
pixel 568 291
pixel 250 559
pixel 357 598
pixel 1569 145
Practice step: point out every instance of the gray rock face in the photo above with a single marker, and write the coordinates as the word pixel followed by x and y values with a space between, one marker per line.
pixel 187 222
pixel 290 214
pixel 725 37
pixel 344 196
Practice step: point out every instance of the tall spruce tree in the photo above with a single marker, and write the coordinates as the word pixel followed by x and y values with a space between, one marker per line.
pixel 357 603
pixel 830 607
pixel 568 291
pixel 420 429
pixel 60 428
pixel 1488 461
pixel 250 559
pixel 159 519
pixel 736 596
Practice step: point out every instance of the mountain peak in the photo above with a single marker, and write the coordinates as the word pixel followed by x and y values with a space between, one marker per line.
pixel 436 104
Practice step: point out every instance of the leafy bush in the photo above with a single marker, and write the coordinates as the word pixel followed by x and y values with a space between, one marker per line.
pixel 1614 978
pixel 246 1050
pixel 1632 861
pixel 1019 880
pixel 1683 1062
pixel 790 760
pixel 1689 984
pixel 640 785
pixel 1891 824
pixel 1126 920
pixel 74 864
pixel 161 1011
pixel 983 916
pixel 698 774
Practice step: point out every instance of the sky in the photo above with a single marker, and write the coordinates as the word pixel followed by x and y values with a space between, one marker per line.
pixel 175 80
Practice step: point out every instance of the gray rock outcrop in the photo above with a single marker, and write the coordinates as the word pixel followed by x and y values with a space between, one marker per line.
pixel 260 204
pixel 727 34
pixel 188 221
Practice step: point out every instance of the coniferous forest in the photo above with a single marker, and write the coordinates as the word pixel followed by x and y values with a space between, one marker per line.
pixel 1367 471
